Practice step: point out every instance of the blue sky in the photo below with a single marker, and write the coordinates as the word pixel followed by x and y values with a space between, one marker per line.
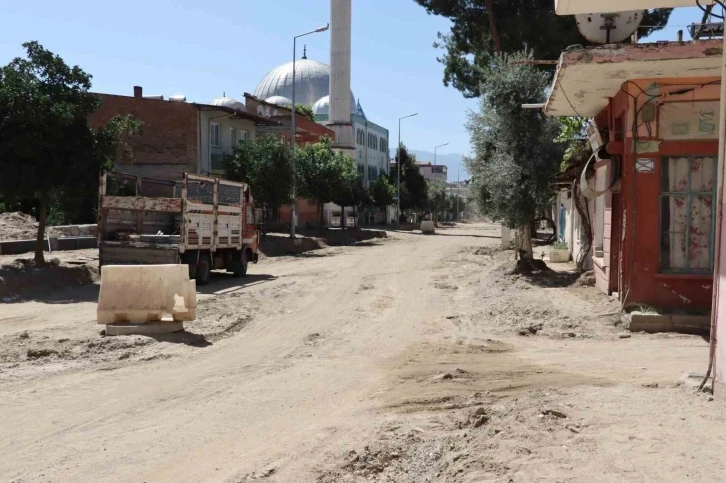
pixel 201 49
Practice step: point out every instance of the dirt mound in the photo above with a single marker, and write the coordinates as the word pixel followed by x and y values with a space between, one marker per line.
pixel 278 245
pixel 19 226
pixel 24 279
pixel 351 236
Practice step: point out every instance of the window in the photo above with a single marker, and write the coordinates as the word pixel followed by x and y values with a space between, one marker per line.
pixel 361 170
pixel 243 135
pixel 687 214
pixel 383 145
pixel 214 135
pixel 233 137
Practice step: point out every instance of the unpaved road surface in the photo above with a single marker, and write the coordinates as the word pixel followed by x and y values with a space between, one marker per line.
pixel 397 360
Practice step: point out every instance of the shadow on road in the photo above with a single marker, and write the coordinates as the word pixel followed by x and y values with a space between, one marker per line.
pixel 222 283
pixel 183 337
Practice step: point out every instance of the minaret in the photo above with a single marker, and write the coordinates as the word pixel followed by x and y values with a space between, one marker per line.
pixel 340 101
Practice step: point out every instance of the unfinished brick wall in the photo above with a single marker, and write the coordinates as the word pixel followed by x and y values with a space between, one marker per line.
pixel 168 143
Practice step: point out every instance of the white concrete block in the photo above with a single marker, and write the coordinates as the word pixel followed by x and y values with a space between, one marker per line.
pixel 146 293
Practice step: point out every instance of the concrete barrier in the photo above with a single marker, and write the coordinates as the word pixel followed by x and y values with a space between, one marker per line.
pixel 138 294
pixel 427 227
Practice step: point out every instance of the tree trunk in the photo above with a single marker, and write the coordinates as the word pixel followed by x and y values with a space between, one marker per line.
pixel 40 239
pixel 343 218
pixel 525 240
pixel 493 26
pixel 584 211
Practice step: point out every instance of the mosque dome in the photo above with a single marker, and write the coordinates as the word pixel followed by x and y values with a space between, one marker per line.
pixel 279 101
pixel 322 106
pixel 225 101
pixel 312 82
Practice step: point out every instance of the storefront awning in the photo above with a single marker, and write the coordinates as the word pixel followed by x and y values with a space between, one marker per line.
pixel 587 77
pixel 574 7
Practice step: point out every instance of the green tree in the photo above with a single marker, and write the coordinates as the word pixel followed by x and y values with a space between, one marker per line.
pixel 383 192
pixel 324 174
pixel 481 28
pixel 437 198
pixel 515 153
pixel 266 165
pixel 305 111
pixel 414 194
pixel 46 144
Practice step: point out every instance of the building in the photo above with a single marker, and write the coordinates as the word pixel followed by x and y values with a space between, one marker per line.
pixel 179 136
pixel 312 88
pixel 437 172
pixel 279 109
pixel 652 191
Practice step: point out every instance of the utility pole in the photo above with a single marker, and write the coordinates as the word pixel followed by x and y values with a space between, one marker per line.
pixel 293 213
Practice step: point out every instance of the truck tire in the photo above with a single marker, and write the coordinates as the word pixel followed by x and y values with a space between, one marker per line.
pixel 240 265
pixel 203 269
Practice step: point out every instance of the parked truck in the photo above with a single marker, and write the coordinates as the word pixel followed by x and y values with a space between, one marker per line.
pixel 206 223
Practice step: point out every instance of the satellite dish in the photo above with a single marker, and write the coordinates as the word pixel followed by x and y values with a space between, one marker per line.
pixel 609 28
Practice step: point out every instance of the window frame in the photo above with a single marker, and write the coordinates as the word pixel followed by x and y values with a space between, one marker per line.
pixel 214 126
pixel 243 135
pixel 688 195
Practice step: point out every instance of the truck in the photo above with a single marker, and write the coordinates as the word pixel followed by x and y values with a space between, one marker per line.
pixel 204 222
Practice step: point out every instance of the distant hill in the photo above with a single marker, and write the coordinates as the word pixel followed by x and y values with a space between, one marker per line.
pixel 451 160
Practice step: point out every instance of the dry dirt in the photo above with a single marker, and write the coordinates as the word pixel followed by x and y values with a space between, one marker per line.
pixel 19 226
pixel 414 359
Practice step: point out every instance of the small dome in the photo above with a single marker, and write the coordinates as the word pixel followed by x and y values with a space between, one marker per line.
pixel 322 106
pixel 279 101
pixel 225 101
pixel 239 105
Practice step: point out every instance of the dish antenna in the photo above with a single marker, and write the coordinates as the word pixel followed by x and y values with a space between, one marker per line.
pixel 609 28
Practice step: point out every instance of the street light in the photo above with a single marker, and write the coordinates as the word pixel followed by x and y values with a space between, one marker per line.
pixel 433 171
pixel 398 165
pixel 293 214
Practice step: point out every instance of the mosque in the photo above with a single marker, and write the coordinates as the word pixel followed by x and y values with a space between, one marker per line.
pixel 312 88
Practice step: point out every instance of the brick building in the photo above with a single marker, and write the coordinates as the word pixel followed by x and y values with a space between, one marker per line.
pixel 178 136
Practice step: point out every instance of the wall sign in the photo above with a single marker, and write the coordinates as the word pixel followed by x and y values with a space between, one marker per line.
pixel 645 165
pixel 689 120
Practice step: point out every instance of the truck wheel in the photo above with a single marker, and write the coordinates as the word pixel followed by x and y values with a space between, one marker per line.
pixel 203 269
pixel 240 265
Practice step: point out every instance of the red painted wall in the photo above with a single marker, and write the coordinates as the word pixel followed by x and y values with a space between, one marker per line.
pixel 637 250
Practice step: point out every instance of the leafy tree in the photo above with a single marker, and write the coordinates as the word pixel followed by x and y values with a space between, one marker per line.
pixel 305 111
pixel 437 197
pixel 481 28
pixel 47 148
pixel 324 174
pixel 414 194
pixel 266 165
pixel 352 192
pixel 383 192
pixel 515 155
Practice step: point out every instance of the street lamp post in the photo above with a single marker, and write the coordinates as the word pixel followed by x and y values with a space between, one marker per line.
pixel 398 168
pixel 293 214
pixel 433 170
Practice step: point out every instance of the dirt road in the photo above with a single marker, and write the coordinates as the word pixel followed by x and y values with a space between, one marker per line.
pixel 391 361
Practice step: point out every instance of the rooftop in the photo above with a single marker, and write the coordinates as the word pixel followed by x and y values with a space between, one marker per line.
pixel 587 77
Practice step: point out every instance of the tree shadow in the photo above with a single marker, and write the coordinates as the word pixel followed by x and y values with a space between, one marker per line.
pixel 550 278
pixel 69 295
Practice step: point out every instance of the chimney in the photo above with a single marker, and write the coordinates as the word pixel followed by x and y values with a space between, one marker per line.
pixel 138 91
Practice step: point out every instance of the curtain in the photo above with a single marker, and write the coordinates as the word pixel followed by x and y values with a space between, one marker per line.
pixel 690 180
